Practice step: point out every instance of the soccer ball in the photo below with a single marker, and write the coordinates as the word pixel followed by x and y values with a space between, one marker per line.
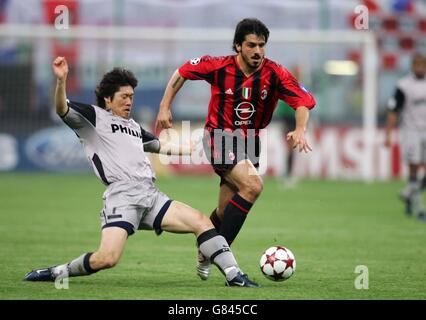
pixel 278 263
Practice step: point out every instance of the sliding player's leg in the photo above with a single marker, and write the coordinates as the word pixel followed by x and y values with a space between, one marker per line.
pixel 112 245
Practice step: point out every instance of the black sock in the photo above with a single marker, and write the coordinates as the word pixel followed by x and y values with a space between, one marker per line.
pixel 234 216
pixel 214 218
pixel 423 183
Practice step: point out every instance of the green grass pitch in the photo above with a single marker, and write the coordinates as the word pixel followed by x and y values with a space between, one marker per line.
pixel 332 227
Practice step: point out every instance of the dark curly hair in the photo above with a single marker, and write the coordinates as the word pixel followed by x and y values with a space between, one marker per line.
pixel 111 83
pixel 249 26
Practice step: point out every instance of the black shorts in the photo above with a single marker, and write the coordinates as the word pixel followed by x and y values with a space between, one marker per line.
pixel 225 149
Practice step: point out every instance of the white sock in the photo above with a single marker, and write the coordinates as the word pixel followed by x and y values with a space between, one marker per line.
pixel 61 271
pixel 231 272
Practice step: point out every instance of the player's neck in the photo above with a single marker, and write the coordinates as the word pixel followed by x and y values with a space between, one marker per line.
pixel 245 68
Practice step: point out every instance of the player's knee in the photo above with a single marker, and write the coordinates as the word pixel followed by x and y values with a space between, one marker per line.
pixel 106 260
pixel 110 262
pixel 201 223
pixel 257 187
pixel 253 188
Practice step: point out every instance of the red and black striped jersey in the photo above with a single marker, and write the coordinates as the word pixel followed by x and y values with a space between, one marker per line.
pixel 240 102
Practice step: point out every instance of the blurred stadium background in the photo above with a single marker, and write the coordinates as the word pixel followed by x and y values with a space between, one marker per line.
pixel 351 76
pixel 336 220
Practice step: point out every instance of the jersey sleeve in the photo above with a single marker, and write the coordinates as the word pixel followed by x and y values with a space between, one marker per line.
pixel 79 115
pixel 150 142
pixel 396 103
pixel 292 92
pixel 201 68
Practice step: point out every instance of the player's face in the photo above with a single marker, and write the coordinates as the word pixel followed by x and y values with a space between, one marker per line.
pixel 419 67
pixel 252 51
pixel 121 102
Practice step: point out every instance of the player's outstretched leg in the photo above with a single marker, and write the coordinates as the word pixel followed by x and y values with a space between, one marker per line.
pixel 77 267
pixel 110 250
pixel 45 274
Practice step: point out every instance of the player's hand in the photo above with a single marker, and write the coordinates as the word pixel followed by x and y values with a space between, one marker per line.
pixel 60 68
pixel 164 120
pixel 299 140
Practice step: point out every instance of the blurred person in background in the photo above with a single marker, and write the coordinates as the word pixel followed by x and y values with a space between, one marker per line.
pixel 245 89
pixel 285 115
pixel 115 145
pixel 409 104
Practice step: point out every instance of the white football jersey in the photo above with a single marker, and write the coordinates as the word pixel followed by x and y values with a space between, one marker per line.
pixel 115 146
pixel 410 101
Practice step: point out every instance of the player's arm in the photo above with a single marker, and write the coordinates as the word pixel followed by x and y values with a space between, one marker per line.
pixel 60 69
pixel 298 135
pixel 395 105
pixel 153 144
pixel 297 97
pixel 391 121
pixel 164 117
pixel 169 148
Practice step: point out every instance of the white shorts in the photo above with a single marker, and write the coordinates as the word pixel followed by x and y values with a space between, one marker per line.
pixel 413 145
pixel 134 205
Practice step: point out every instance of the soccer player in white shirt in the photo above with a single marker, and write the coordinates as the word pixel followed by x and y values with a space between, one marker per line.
pixel 409 104
pixel 115 145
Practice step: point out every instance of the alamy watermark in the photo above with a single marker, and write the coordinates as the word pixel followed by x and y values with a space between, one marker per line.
pixel 361 18
pixel 361 281
pixel 217 146
pixel 62 283
pixel 62 20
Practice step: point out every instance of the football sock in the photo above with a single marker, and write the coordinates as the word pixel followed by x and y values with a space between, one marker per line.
pixel 214 247
pixel 77 267
pixel 413 184
pixel 234 216
pixel 417 200
pixel 423 183
pixel 214 218
pixel 414 189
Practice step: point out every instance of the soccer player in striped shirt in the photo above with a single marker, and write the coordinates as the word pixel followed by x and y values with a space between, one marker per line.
pixel 115 146
pixel 245 89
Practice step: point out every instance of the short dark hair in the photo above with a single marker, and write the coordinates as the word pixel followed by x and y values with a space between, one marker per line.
pixel 249 26
pixel 417 55
pixel 111 83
